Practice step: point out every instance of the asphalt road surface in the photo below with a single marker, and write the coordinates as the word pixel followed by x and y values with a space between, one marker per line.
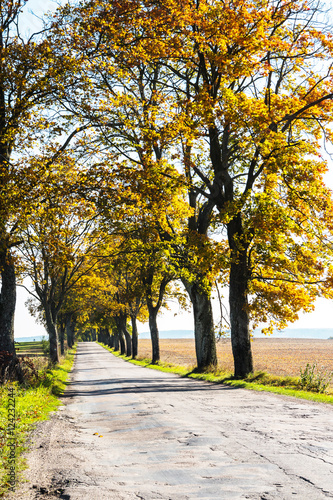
pixel 129 433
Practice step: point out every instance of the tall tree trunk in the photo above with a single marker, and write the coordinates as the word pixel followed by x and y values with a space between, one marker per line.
pixel 70 329
pixel 128 338
pixel 111 340
pixel 10 367
pixel 7 301
pixel 205 342
pixel 102 335
pixel 120 335
pixel 62 337
pixel 153 310
pixel 135 336
pixel 238 300
pixel 67 328
pixel 154 334
pixel 106 334
pixel 122 343
pixel 116 340
pixel 51 326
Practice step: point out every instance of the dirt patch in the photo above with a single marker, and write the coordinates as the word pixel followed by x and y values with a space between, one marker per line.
pixel 40 480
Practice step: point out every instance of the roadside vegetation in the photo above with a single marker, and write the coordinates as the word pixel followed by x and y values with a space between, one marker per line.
pixel 35 399
pixel 312 384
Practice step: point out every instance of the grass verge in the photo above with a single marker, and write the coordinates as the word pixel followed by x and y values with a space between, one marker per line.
pixel 21 407
pixel 258 381
pixel 30 349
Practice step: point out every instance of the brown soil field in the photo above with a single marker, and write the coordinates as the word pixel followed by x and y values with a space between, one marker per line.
pixel 276 356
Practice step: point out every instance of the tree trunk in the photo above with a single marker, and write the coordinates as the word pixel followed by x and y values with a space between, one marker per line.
pixel 51 327
pixel 154 334
pixel 120 335
pixel 70 330
pixel 128 340
pixel 153 310
pixel 62 338
pixel 238 300
pixel 10 367
pixel 116 341
pixel 122 343
pixel 7 302
pixel 102 335
pixel 127 335
pixel 134 336
pixel 123 334
pixel 69 327
pixel 205 342
pixel 106 334
pixel 111 340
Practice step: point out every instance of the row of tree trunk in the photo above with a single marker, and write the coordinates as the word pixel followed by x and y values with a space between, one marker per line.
pixel 120 338
pixel 204 334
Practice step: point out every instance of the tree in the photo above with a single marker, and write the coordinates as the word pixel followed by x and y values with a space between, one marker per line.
pixel 29 72
pixel 243 99
pixel 262 116
pixel 98 299
pixel 254 109
pixel 56 241
pixel 134 274
pixel 128 101
pixel 130 293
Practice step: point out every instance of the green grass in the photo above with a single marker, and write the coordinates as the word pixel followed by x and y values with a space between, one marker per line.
pixel 258 381
pixel 29 348
pixel 32 404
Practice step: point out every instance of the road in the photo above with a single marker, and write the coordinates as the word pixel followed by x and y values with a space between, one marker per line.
pixel 129 433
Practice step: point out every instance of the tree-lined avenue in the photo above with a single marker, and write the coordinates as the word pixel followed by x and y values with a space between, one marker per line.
pixel 152 151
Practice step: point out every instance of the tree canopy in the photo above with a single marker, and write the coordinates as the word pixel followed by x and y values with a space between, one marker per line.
pixel 200 129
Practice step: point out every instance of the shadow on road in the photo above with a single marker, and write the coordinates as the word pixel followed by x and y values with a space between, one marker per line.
pixel 100 387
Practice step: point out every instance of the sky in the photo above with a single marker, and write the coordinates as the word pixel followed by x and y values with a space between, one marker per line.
pixel 25 325
pixel 33 10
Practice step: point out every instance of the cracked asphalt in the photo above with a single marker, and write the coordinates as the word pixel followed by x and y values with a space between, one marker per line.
pixel 128 433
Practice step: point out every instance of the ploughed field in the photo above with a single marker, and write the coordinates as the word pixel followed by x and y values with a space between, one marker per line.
pixel 276 356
